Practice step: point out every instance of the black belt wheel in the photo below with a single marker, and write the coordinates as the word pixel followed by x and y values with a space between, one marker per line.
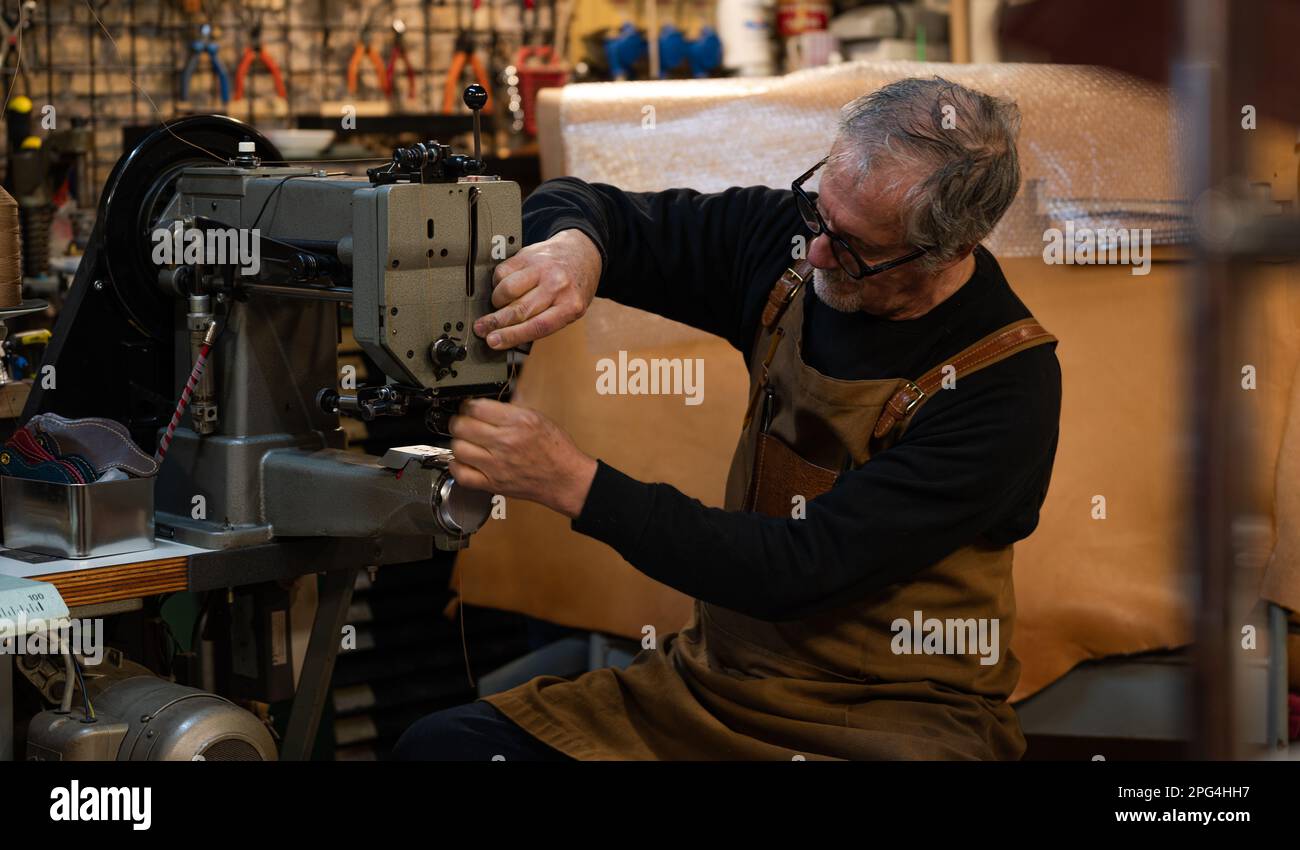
pixel 136 193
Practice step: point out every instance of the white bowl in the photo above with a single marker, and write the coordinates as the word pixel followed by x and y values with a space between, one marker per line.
pixel 300 144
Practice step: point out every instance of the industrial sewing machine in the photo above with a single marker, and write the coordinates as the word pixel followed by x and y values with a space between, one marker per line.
pixel 269 257
pixel 410 248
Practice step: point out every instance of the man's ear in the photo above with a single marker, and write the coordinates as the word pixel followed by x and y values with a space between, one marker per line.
pixel 964 252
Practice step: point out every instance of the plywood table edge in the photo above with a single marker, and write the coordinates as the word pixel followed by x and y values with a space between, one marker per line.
pixel 120 581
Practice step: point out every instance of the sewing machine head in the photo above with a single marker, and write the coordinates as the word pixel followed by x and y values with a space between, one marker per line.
pixel 411 247
pixel 258 256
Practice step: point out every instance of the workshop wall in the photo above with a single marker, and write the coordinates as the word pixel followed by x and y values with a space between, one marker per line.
pixel 109 64
pixel 72 64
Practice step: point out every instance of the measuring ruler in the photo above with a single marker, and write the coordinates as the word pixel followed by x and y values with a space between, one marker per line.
pixel 22 599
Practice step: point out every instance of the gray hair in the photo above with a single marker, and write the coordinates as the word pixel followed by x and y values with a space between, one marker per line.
pixel 962 141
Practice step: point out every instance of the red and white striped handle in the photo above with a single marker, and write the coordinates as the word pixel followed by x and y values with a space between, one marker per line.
pixel 195 374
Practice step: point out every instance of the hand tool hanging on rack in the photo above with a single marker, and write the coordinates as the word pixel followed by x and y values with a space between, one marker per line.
pixel 426 10
pixel 397 53
pixel 465 55
pixel 624 50
pixel 672 49
pixel 536 66
pixel 627 46
pixel 205 44
pixel 704 52
pixel 363 50
pixel 12 26
pixel 671 37
pixel 256 51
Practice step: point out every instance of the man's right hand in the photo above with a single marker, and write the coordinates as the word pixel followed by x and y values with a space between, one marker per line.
pixel 541 289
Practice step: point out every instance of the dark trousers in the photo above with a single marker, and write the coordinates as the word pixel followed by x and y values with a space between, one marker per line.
pixel 472 732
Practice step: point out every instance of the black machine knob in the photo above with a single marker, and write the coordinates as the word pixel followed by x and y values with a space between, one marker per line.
pixel 475 98
pixel 328 400
pixel 446 351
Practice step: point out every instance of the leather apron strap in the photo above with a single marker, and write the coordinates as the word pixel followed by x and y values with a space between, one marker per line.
pixel 778 300
pixel 997 346
pixel 993 348
pixel 784 292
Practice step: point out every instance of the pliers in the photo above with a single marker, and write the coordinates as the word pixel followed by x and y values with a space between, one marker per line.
pixel 398 52
pixel 363 50
pixel 465 55
pixel 205 43
pixel 254 51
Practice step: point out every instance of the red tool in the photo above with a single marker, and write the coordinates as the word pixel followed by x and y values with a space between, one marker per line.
pixel 254 51
pixel 538 68
pixel 398 53
pixel 465 55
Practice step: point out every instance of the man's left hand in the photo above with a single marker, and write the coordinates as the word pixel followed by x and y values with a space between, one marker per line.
pixel 519 453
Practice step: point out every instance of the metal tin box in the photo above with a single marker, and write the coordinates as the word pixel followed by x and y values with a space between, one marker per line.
pixel 78 520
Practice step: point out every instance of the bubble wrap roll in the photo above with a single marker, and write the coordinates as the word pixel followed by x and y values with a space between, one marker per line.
pixel 1096 146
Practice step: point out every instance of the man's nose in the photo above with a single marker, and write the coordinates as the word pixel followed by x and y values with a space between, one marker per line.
pixel 820 253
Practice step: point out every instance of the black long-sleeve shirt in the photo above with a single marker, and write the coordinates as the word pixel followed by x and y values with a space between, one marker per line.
pixel 973 462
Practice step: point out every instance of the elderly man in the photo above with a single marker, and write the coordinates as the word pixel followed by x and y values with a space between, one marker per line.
pixel 854 598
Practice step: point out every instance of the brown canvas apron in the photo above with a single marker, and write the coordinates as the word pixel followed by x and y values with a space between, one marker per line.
pixel 729 686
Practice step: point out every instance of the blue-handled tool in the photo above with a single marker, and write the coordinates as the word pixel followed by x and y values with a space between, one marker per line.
pixel 205 43
pixel 624 50
pixel 672 49
pixel 705 52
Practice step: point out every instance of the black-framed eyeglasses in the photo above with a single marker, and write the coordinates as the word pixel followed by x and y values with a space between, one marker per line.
pixel 853 265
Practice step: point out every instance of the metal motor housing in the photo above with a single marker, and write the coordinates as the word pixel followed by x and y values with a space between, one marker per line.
pixel 170 722
pixel 144 718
